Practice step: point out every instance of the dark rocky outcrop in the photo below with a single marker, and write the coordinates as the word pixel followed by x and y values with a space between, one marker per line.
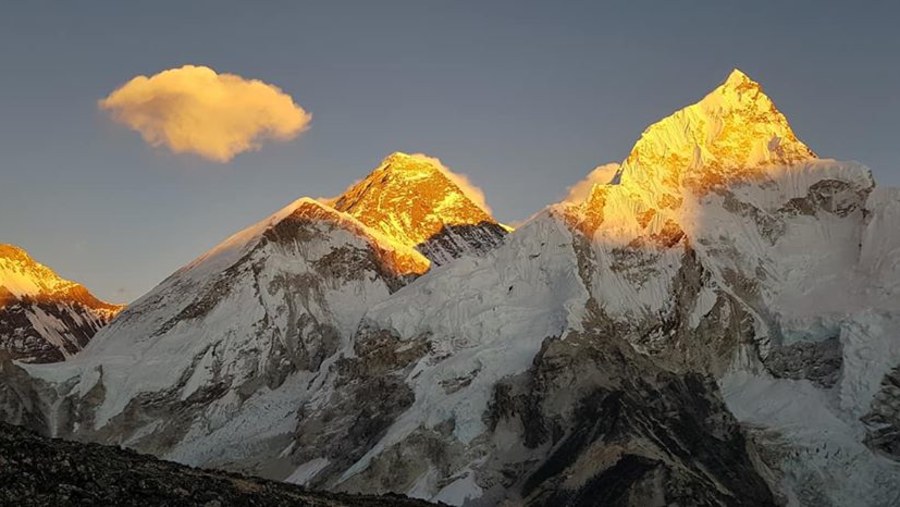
pixel 372 394
pixel 883 420
pixel 454 241
pixel 37 471
pixel 607 426
pixel 819 362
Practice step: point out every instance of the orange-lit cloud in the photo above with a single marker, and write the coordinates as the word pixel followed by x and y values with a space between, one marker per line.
pixel 602 174
pixel 193 109
pixel 468 188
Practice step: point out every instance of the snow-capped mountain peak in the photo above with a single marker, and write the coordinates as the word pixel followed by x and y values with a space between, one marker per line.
pixel 44 317
pixel 23 277
pixel 20 275
pixel 732 134
pixel 416 201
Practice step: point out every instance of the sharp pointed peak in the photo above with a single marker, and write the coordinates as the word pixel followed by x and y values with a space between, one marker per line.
pixel 412 197
pixel 738 91
pixel 402 162
pixel 734 130
pixel 396 156
pixel 738 78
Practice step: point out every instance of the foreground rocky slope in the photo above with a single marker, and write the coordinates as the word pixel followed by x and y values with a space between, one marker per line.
pixel 44 318
pixel 717 326
pixel 36 471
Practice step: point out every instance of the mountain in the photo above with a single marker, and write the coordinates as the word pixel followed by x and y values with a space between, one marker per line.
pixel 414 200
pixel 718 327
pixel 253 323
pixel 38 471
pixel 44 318
pixel 563 363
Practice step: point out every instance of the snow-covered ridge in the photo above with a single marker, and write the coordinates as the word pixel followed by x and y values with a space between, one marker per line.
pixel 239 290
pixel 239 244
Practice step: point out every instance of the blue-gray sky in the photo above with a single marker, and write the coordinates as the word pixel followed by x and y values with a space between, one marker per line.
pixel 524 97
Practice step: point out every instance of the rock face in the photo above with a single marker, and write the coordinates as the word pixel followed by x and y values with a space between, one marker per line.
pixel 883 421
pixel 38 471
pixel 819 362
pixel 715 328
pixel 43 318
pixel 604 426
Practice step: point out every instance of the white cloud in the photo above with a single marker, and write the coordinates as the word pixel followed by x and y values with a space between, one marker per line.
pixel 602 174
pixel 193 109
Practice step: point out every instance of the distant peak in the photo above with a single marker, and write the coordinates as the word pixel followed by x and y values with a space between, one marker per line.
pixel 738 79
pixel 412 197
pixel 22 276
pixel 410 164
pixel 734 132
pixel 397 156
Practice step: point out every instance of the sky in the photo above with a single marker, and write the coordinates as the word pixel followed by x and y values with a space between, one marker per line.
pixel 524 97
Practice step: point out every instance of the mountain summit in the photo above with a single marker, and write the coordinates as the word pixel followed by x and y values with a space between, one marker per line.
pixel 43 317
pixel 417 202
pixel 733 133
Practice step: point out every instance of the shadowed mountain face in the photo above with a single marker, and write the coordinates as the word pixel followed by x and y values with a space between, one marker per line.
pixel 454 241
pixel 44 318
pixel 716 328
pixel 38 471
